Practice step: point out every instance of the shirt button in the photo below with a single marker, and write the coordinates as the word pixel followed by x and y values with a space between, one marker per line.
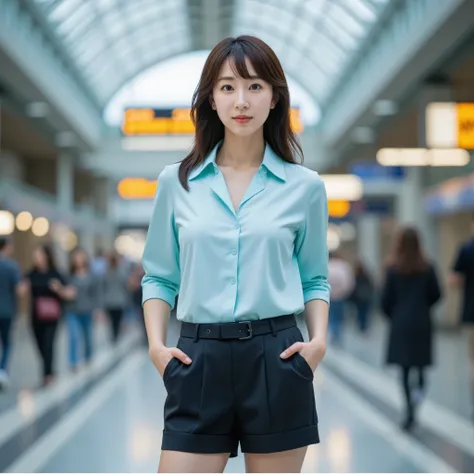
pixel 234 252
pixel 232 281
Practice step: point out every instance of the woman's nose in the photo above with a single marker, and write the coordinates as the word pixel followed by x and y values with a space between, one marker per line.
pixel 241 100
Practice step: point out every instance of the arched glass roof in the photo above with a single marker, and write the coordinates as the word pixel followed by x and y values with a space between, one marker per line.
pixel 112 41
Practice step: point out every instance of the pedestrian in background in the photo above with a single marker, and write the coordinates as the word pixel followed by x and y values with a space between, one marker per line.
pixel 410 290
pixel 10 289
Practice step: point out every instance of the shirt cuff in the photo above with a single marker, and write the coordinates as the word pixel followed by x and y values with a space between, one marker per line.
pixel 159 292
pixel 316 295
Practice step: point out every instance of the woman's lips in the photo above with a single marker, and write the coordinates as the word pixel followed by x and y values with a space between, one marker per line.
pixel 242 119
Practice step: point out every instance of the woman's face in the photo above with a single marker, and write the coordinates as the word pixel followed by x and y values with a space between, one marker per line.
pixel 243 105
pixel 39 258
pixel 80 259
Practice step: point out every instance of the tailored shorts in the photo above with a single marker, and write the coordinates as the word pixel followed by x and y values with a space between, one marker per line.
pixel 238 390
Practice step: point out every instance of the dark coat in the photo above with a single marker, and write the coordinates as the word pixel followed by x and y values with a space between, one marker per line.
pixel 407 300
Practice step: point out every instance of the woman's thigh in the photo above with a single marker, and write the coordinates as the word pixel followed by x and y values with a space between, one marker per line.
pixel 285 461
pixel 177 461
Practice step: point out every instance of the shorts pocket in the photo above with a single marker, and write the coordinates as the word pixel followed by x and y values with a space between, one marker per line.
pixel 302 367
pixel 168 368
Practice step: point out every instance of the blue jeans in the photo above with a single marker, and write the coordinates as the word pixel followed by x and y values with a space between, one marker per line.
pixel 5 327
pixel 77 324
pixel 336 319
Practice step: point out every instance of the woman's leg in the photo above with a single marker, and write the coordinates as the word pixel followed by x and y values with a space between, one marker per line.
pixel 38 332
pixel 409 415
pixel 336 318
pixel 5 329
pixel 175 461
pixel 49 336
pixel 285 461
pixel 116 320
pixel 73 337
pixel 86 323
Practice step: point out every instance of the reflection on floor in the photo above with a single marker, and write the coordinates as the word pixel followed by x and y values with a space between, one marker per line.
pixel 112 420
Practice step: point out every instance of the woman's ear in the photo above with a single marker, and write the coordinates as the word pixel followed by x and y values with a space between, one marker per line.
pixel 211 101
pixel 274 102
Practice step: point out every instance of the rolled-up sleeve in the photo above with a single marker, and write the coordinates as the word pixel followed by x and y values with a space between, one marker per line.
pixel 311 245
pixel 161 254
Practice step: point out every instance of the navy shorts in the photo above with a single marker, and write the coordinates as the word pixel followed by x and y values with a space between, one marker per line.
pixel 238 390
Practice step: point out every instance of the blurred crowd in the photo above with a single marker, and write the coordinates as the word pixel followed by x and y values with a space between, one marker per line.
pixel 104 287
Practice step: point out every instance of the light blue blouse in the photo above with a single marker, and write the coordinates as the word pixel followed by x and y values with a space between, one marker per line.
pixel 266 260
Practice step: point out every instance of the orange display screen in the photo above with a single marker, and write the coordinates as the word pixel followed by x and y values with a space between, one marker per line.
pixel 465 125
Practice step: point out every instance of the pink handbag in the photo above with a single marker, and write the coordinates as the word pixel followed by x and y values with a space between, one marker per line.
pixel 47 308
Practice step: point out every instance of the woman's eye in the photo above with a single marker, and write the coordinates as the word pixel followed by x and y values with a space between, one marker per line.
pixel 226 88
pixel 255 87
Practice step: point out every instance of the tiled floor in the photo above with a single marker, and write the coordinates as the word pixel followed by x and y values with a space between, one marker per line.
pixel 113 422
pixel 446 386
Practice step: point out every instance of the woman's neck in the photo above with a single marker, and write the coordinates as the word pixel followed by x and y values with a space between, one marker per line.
pixel 241 153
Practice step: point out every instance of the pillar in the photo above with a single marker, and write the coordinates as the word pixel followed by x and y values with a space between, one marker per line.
pixel 368 243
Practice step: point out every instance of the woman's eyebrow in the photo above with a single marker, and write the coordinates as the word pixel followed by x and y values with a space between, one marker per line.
pixel 231 78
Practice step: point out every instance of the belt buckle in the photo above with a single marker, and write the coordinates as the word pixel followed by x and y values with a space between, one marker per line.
pixel 249 327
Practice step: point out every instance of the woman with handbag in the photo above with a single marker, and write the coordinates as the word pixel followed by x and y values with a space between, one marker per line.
pixel 48 290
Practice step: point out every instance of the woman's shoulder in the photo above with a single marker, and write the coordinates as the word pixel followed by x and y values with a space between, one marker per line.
pixel 169 174
pixel 301 175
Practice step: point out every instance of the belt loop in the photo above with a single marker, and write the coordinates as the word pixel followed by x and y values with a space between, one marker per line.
pixel 196 332
pixel 272 325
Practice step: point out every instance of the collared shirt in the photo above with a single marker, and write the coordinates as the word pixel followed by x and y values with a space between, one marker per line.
pixel 266 260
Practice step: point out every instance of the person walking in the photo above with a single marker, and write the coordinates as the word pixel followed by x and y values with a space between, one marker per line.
pixel 48 292
pixel 239 229
pixel 462 277
pixel 411 288
pixel 79 312
pixel 11 289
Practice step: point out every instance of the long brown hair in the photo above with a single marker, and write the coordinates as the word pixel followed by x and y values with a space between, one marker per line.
pixel 209 128
pixel 407 255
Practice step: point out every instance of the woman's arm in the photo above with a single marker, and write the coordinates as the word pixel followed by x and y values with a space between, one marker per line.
pixel 162 275
pixel 312 254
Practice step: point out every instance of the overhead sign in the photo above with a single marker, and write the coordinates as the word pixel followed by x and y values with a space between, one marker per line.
pixel 152 122
pixel 338 209
pixel 137 188
pixel 372 171
pixel 450 125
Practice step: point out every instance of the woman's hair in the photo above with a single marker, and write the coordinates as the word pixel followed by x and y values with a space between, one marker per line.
pixel 49 254
pixel 407 255
pixel 209 128
pixel 114 260
pixel 72 260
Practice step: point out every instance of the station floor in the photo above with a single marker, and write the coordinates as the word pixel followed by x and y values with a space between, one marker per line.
pixel 108 417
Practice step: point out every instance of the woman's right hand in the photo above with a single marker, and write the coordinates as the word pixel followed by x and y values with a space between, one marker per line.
pixel 161 356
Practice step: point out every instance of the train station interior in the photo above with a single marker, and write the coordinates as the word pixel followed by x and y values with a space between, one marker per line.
pixel 95 99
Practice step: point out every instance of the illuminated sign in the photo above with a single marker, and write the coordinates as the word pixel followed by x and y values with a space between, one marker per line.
pixel 338 209
pixel 152 122
pixel 423 157
pixel 137 188
pixel 465 125
pixel 450 125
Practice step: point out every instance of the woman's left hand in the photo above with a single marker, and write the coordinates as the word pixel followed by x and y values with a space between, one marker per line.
pixel 313 352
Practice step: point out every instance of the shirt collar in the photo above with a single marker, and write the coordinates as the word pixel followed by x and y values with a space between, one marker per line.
pixel 271 161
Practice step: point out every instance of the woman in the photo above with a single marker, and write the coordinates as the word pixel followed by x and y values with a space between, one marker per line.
pixel 48 291
pixel 341 279
pixel 410 291
pixel 115 293
pixel 79 313
pixel 240 229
